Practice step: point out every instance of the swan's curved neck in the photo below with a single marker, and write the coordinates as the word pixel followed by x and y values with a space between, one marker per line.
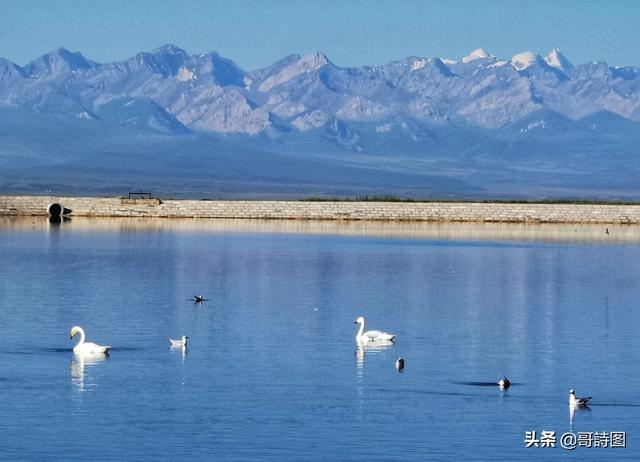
pixel 81 337
pixel 360 331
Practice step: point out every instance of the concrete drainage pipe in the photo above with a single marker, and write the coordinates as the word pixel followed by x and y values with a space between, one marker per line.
pixel 57 210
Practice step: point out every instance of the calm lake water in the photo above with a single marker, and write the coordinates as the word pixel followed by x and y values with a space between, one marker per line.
pixel 272 371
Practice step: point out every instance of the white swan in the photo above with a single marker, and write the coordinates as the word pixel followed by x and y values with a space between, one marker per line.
pixel 179 343
pixel 372 336
pixel 577 402
pixel 86 348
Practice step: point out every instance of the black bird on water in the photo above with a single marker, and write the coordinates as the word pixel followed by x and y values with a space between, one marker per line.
pixel 400 364
pixel 606 231
pixel 504 383
pixel 198 298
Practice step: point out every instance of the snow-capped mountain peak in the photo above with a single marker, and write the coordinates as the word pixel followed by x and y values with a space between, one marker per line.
pixel 476 54
pixel 418 63
pixel 556 59
pixel 522 61
pixel 169 49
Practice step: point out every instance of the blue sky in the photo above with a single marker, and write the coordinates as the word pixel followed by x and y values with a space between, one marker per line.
pixel 352 33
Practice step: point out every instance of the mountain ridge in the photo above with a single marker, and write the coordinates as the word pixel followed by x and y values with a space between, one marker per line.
pixel 531 126
pixel 210 93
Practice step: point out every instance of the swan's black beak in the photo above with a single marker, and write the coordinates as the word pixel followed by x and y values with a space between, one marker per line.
pixel 355 322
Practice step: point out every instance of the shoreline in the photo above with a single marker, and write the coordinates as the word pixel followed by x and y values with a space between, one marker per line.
pixel 446 211
pixel 412 230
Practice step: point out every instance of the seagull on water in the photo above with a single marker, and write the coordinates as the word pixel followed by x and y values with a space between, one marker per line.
pixel 577 402
pixel 180 342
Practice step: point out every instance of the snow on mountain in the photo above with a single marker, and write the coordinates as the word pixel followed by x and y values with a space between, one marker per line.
pixel 522 61
pixel 185 74
pixel 499 63
pixel 556 59
pixel 174 91
pixel 418 64
pixel 474 55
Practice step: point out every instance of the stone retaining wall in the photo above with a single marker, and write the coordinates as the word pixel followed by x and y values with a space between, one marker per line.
pixel 397 211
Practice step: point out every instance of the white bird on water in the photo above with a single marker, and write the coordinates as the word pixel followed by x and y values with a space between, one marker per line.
pixel 372 336
pixel 180 342
pixel 504 383
pixel 577 402
pixel 86 348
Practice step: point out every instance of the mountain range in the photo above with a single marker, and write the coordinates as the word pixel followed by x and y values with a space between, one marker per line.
pixel 528 126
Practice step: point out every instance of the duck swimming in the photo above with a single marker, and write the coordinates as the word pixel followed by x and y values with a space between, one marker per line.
pixel 504 383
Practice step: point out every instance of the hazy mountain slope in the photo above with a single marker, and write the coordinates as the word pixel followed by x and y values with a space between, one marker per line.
pixel 91 157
